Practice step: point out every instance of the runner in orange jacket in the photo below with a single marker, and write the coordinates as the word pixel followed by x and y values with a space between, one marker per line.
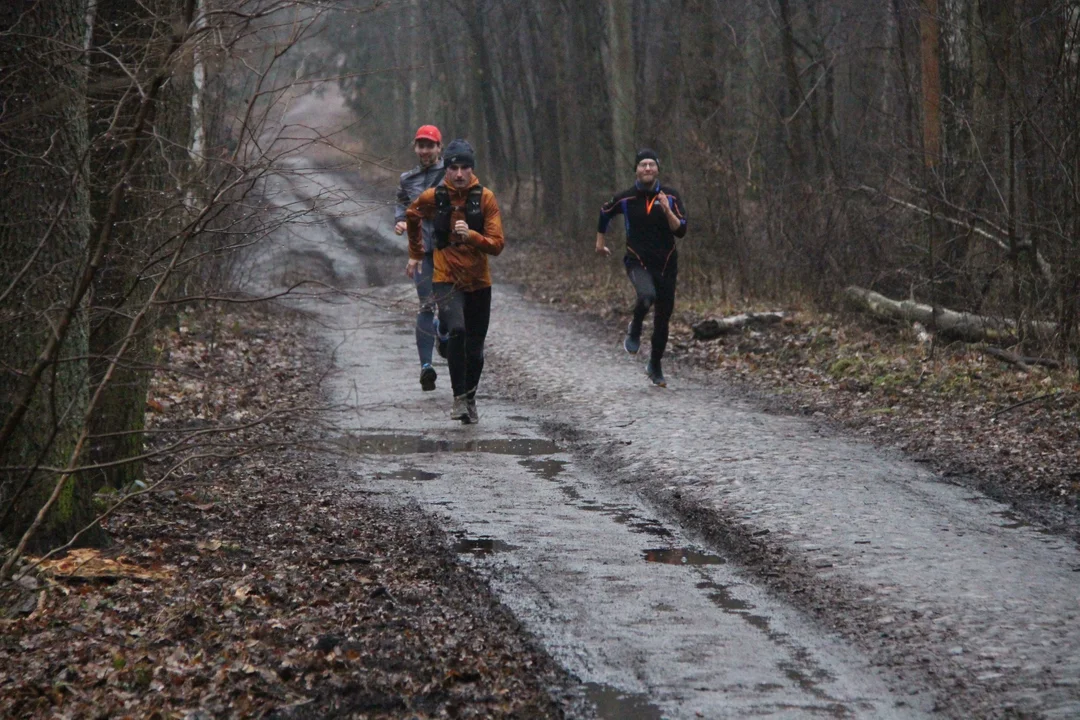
pixel 467 229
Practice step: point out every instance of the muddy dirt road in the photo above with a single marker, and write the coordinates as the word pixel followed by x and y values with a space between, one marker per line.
pixel 683 553
pixel 654 625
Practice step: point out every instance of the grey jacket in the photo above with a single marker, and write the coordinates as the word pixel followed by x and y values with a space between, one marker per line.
pixel 413 183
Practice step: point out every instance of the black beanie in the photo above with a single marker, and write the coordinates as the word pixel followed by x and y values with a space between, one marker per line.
pixel 646 154
pixel 459 152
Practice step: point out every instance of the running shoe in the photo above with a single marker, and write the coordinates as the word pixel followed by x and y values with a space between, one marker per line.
pixel 427 377
pixel 470 405
pixel 631 343
pixel 655 375
pixel 460 411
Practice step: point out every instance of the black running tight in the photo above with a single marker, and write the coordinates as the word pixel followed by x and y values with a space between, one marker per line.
pixel 464 316
pixel 654 290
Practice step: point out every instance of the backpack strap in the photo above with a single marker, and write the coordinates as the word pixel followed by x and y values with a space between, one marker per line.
pixel 443 212
pixel 474 213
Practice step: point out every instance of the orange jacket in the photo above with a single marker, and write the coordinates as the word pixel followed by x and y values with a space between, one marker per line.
pixel 465 264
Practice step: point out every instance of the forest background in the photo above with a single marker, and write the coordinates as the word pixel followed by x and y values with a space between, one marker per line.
pixel 927 149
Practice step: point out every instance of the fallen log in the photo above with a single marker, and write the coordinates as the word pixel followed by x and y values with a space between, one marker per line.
pixel 949 324
pixel 713 328
pixel 1023 362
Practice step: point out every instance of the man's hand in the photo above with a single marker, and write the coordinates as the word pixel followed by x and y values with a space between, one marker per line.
pixel 400 228
pixel 601 247
pixel 672 219
pixel 662 198
pixel 462 228
pixel 412 267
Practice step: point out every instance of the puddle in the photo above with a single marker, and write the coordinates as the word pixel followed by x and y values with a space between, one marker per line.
pixel 624 515
pixel 481 546
pixel 614 704
pixel 517 418
pixel 417 444
pixel 547 469
pixel 681 556
pixel 413 474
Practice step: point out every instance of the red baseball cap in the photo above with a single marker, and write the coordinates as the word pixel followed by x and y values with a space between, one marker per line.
pixel 428 132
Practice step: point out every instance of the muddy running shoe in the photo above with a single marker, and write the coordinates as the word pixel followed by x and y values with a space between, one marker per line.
pixel 631 343
pixel 460 411
pixel 427 378
pixel 655 375
pixel 470 405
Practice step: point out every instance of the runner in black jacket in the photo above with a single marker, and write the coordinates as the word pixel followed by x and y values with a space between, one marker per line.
pixel 654 217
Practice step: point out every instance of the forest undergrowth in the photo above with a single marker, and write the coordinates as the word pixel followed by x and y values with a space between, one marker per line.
pixel 977 420
pixel 266 584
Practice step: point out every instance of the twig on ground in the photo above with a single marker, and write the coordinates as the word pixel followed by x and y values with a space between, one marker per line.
pixel 1029 401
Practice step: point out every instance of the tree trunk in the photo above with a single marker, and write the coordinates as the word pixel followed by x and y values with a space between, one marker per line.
pixel 44 230
pixel 792 107
pixel 131 33
pixel 620 72
pixel 908 95
pixel 931 83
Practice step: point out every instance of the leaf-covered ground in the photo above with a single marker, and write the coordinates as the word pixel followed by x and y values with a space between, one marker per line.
pixel 251 582
pixel 951 405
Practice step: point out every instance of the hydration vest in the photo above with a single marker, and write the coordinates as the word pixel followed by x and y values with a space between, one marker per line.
pixel 444 211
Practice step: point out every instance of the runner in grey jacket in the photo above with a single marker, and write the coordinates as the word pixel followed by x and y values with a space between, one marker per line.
pixel 428 146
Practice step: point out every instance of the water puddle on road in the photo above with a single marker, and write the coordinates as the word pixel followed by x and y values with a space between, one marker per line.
pixel 411 474
pixel 388 444
pixel 681 556
pixel 614 704
pixel 547 469
pixel 481 546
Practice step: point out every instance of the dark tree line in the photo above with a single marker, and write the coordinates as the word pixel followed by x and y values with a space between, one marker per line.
pixel 926 148
pixel 923 148
pixel 133 144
